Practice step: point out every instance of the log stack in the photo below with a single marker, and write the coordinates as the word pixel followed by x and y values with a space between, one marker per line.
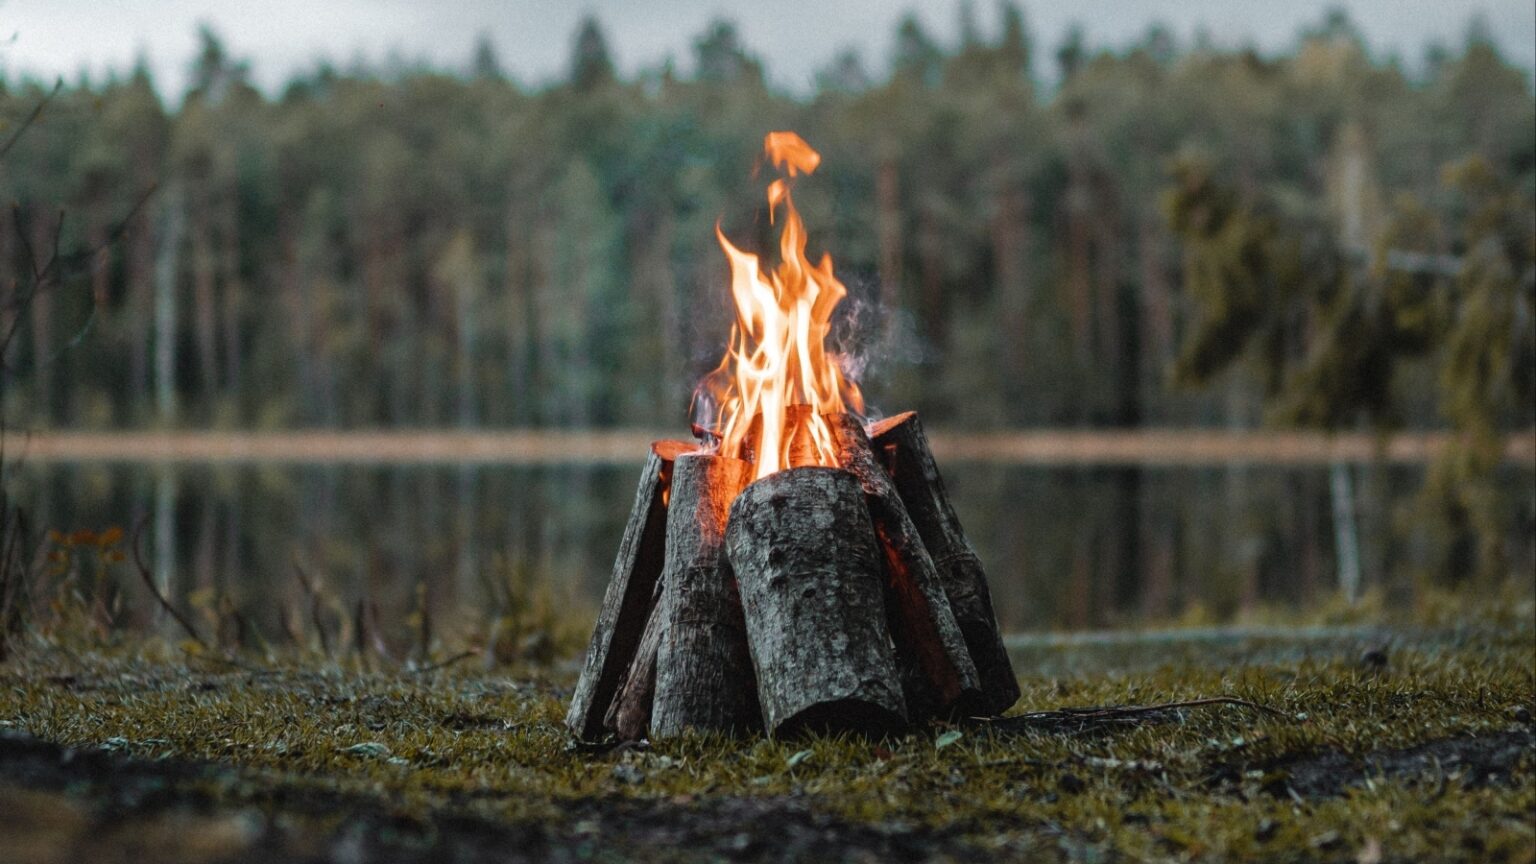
pixel 839 599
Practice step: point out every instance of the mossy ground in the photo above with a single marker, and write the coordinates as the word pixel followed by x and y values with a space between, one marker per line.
pixel 1423 751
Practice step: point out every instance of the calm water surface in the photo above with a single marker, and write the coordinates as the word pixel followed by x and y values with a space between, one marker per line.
pixel 1065 547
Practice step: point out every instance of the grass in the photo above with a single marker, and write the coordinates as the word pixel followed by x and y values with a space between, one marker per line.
pixel 1423 752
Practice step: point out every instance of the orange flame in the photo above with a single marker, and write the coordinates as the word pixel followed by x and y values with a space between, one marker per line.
pixel 777 358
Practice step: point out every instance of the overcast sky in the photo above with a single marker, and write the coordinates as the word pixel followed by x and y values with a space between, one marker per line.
pixel 794 37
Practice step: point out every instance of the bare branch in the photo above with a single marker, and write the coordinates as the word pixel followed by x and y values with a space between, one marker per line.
pixel 37 111
pixel 149 582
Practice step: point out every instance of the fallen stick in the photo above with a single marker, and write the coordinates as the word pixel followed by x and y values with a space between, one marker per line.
pixel 804 554
pixel 704 677
pixel 899 441
pixel 1077 718
pixel 628 599
pixel 938 675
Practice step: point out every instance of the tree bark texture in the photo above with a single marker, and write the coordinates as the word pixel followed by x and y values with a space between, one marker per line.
pixel 704 677
pixel 804 553
pixel 938 675
pixel 899 441
pixel 628 600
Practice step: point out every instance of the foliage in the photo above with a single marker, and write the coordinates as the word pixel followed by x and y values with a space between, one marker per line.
pixel 399 245
pixel 1334 338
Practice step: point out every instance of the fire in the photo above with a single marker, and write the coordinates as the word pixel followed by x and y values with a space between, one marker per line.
pixel 777 378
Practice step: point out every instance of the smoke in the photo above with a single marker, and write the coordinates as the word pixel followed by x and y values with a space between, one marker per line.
pixel 872 340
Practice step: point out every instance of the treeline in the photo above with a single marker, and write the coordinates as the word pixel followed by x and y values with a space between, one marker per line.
pixel 413 247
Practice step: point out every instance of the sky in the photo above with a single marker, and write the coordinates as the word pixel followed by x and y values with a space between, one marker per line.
pixel 795 38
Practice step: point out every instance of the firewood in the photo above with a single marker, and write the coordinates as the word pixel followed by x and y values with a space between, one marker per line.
pixel 629 715
pixel 938 675
pixel 900 443
pixel 628 599
pixel 802 447
pixel 704 677
pixel 805 557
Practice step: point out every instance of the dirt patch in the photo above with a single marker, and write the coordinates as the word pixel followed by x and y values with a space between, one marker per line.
pixel 70 805
pixel 1473 762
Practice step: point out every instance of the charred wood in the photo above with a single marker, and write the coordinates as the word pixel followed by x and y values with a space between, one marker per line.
pixel 900 443
pixel 628 600
pixel 939 677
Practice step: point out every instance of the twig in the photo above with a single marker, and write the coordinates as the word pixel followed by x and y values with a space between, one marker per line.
pixel 1085 716
pixel 462 655
pixel 149 582
pixel 315 615
pixel 1134 710
pixel 37 111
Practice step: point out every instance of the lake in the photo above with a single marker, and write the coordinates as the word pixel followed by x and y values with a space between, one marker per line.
pixel 1066 547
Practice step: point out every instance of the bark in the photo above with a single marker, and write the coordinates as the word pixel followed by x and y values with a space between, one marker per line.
pixel 627 602
pixel 704 677
pixel 803 549
pixel 900 441
pixel 938 675
pixel 629 717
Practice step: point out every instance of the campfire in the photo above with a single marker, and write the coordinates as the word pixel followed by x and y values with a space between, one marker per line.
pixel 793 569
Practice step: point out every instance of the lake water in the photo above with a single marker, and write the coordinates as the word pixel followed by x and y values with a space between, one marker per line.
pixel 1065 548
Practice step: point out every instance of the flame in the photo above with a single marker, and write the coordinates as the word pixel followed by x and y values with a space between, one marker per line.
pixel 777 378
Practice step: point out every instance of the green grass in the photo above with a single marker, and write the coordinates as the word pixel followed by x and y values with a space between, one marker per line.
pixel 1211 783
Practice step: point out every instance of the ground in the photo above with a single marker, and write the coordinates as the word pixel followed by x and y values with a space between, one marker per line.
pixel 1360 744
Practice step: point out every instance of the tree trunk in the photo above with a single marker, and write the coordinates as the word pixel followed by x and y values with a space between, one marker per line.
pixel 900 440
pixel 704 677
pixel 803 549
pixel 167 268
pixel 205 304
pixel 888 229
pixel 938 675
pixel 627 602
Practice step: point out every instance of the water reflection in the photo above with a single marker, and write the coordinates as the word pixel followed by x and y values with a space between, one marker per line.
pixel 1068 547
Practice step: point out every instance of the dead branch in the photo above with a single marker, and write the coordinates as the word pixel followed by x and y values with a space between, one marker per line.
pixel 1076 719
pixel 316 614
pixel 149 582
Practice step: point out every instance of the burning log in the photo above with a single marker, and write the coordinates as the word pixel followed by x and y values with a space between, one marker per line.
pixel 840 556
pixel 804 553
pixel 939 676
pixel 630 596
pixel 704 677
pixel 904 448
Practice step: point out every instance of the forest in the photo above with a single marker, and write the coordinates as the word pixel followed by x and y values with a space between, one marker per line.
pixel 350 658
pixel 1163 234
pixel 405 246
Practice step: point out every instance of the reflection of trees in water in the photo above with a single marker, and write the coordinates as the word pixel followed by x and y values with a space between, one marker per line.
pixel 1077 547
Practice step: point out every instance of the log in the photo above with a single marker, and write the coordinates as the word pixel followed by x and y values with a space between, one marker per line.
pixel 704 677
pixel 900 444
pixel 628 599
pixel 938 675
pixel 804 553
pixel 629 715
pixel 802 446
